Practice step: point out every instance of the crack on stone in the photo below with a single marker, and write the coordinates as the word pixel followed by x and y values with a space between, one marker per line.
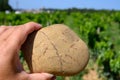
pixel 58 55
pixel 61 59
pixel 72 45
pixel 72 59
pixel 45 50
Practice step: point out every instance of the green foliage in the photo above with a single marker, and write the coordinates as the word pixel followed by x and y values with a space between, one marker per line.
pixel 115 64
pixel 99 29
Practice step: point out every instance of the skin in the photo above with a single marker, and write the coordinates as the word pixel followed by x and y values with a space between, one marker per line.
pixel 11 40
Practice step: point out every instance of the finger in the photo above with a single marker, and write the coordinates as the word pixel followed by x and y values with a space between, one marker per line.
pixel 31 26
pixel 17 64
pixel 5 33
pixel 41 76
pixel 18 36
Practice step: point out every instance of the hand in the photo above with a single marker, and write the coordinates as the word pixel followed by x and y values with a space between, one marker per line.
pixel 11 40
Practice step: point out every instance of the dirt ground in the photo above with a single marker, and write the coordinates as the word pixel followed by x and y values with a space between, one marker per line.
pixel 92 74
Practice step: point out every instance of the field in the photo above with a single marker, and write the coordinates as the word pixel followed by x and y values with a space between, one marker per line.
pixel 99 29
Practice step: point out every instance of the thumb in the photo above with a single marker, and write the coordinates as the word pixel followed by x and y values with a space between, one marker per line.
pixel 41 76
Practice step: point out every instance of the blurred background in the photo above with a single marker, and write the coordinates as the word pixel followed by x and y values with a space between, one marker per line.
pixel 97 22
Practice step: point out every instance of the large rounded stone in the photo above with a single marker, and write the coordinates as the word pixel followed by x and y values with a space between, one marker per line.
pixel 55 49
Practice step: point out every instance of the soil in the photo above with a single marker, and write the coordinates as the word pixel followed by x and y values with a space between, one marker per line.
pixel 92 74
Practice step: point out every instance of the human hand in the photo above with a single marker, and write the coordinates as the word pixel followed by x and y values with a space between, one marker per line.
pixel 11 40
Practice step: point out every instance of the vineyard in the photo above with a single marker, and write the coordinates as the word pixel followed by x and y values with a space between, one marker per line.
pixel 99 29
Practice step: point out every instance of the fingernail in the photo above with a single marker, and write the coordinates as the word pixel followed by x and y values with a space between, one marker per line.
pixel 53 78
pixel 50 76
pixel 40 25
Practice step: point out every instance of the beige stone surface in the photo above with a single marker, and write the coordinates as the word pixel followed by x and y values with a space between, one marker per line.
pixel 55 49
